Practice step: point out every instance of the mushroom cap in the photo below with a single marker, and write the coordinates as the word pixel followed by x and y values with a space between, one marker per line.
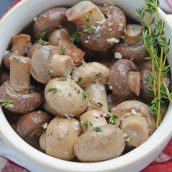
pixel 40 69
pixel 61 134
pixel 49 20
pixel 89 73
pixel 95 146
pixel 22 103
pixel 94 117
pixel 68 97
pixel 134 107
pixel 118 77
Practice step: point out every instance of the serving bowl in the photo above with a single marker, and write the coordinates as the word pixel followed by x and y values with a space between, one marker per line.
pixel 16 149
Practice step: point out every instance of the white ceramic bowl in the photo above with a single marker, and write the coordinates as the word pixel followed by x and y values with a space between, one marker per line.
pixel 14 148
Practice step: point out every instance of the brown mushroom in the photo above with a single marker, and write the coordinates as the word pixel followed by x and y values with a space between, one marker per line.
pixel 133 33
pixel 48 109
pixel 103 35
pixel 60 136
pixel 6 58
pixel 49 20
pixel 134 107
pixel 124 79
pixel 17 91
pixel 42 141
pixel 135 52
pixel 93 77
pixel 32 49
pixel 21 44
pixel 100 143
pixel 65 97
pixel 92 118
pixel 136 128
pixel 30 126
pixel 46 63
pixel 60 38
pixel 4 76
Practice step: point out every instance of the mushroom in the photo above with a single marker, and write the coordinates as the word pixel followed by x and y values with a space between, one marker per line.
pixel 61 135
pixel 104 35
pixel 124 79
pixel 49 20
pixel 30 126
pixel 46 63
pixel 4 76
pixel 136 128
pixel 92 118
pixel 136 108
pixel 48 109
pixel 6 58
pixel 65 97
pixel 17 92
pixel 85 13
pixel 133 33
pixel 42 141
pixel 61 39
pixel 32 49
pixel 93 77
pixel 100 143
pixel 135 52
pixel 21 44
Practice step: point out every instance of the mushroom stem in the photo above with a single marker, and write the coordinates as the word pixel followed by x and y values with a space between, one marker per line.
pixel 85 13
pixel 20 74
pixel 134 81
pixel 61 65
pixel 97 97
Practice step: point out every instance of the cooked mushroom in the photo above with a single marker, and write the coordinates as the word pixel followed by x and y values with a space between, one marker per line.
pixel 61 135
pixel 6 58
pixel 42 141
pixel 134 107
pixel 65 96
pixel 32 49
pixel 85 13
pixel 30 126
pixel 92 118
pixel 104 35
pixel 135 52
pixel 60 38
pixel 93 77
pixel 100 143
pixel 18 92
pixel 48 109
pixel 46 63
pixel 4 76
pixel 121 78
pixel 49 20
pixel 133 33
pixel 136 128
pixel 21 44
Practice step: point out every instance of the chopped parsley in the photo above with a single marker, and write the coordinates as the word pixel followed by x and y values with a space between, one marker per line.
pixel 112 119
pixel 87 124
pixel 62 50
pixel 75 37
pixel 79 80
pixel 54 90
pixel 97 129
pixel 64 78
pixel 41 39
pixel 6 103
pixel 99 104
pixel 84 95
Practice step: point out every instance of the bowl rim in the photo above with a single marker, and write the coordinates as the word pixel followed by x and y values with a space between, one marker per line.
pixel 8 134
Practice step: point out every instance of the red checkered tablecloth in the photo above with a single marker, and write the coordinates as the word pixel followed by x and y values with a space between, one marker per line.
pixel 163 162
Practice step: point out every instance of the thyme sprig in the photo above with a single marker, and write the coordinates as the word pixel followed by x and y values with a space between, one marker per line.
pixel 6 103
pixel 154 37
pixel 41 39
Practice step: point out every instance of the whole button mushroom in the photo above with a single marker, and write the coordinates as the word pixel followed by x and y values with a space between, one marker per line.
pixel 49 20
pixel 48 109
pixel 136 128
pixel 61 135
pixel 135 52
pixel 100 143
pixel 136 108
pixel 30 126
pixel 46 63
pixel 93 77
pixel 61 39
pixel 124 79
pixel 17 94
pixel 133 33
pixel 66 97
pixel 92 118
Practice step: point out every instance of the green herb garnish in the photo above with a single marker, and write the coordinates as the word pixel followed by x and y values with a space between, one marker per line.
pixel 98 74
pixel 64 78
pixel 87 124
pixel 112 119
pixel 99 104
pixel 75 37
pixel 149 79
pixel 54 90
pixel 88 29
pixel 41 39
pixel 79 80
pixel 153 37
pixel 97 129
pixel 6 103
pixel 84 95
pixel 62 50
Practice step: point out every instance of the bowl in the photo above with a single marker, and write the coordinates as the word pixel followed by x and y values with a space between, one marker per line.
pixel 16 149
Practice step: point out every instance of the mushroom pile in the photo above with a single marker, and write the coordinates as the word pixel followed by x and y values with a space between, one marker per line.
pixel 76 89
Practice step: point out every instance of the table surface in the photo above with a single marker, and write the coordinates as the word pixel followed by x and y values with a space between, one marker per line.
pixel 163 163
